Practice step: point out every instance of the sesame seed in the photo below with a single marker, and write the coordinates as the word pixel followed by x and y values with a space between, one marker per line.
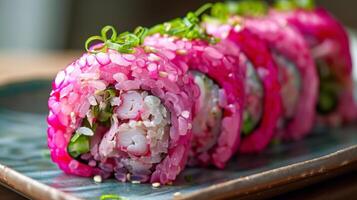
pixel 135 182
pixel 97 179
pixel 177 194
pixel 181 52
pixel 153 57
pixel 163 74
pixel 148 49
pixel 185 114
pixel 156 185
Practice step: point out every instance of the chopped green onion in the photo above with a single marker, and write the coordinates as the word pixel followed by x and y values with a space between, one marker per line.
pixel 284 5
pixel 221 11
pixel 79 146
pixel 203 9
pixel 90 40
pixel 141 32
pixel 111 197
pixel 294 4
pixel 106 29
pixel 187 27
pixel 251 8
pixel 123 43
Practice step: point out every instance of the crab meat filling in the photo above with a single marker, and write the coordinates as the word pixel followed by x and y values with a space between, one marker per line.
pixel 253 107
pixel 125 134
pixel 290 81
pixel 208 114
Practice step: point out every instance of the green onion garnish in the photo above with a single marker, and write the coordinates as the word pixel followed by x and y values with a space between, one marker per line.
pixel 111 197
pixel 294 4
pixel 252 8
pixel 222 11
pixel 123 43
pixel 187 27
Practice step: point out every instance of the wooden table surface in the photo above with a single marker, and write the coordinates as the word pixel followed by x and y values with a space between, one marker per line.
pixel 22 66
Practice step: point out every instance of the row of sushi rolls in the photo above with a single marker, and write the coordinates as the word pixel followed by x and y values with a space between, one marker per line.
pixel 225 80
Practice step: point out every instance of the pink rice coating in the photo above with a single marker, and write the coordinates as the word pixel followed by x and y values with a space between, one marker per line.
pixel 320 28
pixel 258 53
pixel 68 103
pixel 219 62
pixel 291 44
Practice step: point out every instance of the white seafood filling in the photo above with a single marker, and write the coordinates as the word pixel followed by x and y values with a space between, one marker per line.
pixel 208 114
pixel 289 78
pixel 139 133
pixel 253 107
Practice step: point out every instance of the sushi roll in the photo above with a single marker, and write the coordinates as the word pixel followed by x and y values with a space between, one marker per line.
pixel 263 103
pixel 297 73
pixel 329 46
pixel 215 67
pixel 121 110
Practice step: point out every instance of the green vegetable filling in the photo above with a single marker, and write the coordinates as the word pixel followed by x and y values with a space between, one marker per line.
pixel 329 89
pixel 79 143
pixel 248 125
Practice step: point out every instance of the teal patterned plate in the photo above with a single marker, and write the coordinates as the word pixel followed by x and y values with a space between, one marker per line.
pixel 25 165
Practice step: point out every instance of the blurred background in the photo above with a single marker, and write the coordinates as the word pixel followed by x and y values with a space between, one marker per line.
pixel 41 25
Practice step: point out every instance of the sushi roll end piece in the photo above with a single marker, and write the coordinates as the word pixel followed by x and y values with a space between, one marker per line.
pixel 122 113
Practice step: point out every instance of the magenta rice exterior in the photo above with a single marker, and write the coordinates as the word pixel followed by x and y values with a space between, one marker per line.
pixel 218 65
pixel 259 55
pixel 298 75
pixel 149 135
pixel 329 45
pixel 192 92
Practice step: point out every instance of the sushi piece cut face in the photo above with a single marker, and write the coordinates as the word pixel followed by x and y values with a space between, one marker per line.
pixel 253 108
pixel 124 132
pixel 208 114
pixel 290 82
